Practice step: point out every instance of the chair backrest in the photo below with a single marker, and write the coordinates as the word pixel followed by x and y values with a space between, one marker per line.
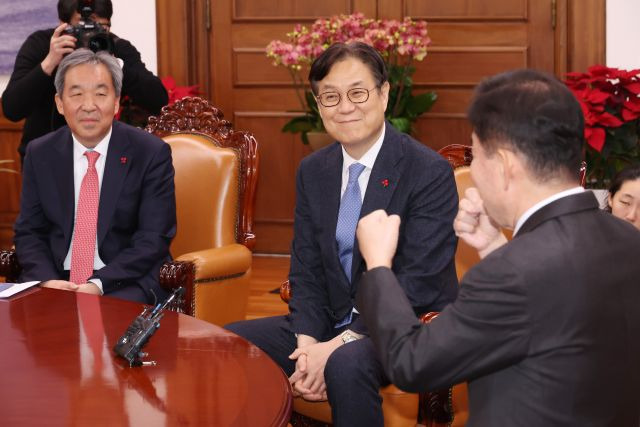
pixel 216 173
pixel 459 156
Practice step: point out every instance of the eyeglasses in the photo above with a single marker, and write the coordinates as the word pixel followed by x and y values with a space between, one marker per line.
pixel 357 95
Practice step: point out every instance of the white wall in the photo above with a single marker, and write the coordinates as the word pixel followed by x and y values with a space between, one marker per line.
pixel 136 21
pixel 623 34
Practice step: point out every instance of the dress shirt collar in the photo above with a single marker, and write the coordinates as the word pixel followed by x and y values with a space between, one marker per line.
pixel 533 209
pixel 368 159
pixel 102 147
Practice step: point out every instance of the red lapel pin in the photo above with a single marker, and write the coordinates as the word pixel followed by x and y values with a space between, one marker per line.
pixel 123 160
pixel 385 182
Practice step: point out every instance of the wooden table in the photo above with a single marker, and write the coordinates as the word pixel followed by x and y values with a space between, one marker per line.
pixel 58 368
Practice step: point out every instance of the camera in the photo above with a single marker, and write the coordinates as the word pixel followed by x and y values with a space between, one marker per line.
pixel 88 33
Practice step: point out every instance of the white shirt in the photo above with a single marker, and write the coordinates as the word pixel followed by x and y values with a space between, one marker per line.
pixel 533 209
pixel 367 160
pixel 80 165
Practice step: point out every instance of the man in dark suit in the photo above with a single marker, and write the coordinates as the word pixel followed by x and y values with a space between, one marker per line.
pixel 97 212
pixel 323 344
pixel 545 328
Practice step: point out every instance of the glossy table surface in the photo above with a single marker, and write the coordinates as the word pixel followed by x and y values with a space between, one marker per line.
pixel 57 367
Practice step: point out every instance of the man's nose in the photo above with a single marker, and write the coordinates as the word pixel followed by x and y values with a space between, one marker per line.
pixel 88 103
pixel 345 106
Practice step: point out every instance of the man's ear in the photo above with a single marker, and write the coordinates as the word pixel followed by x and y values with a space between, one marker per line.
pixel 507 166
pixel 59 104
pixel 117 106
pixel 384 93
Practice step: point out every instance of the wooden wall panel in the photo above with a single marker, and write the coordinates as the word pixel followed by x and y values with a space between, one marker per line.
pixel 471 39
pixel 282 155
pixel 289 9
pixel 10 183
pixel 451 66
pixel 466 9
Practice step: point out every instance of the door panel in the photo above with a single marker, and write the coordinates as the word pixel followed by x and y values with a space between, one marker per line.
pixel 471 39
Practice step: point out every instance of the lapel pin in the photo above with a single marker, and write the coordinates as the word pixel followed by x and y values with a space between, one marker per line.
pixel 123 160
pixel 385 183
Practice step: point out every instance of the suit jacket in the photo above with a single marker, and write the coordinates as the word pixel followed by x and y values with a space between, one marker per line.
pixel 136 214
pixel 546 329
pixel 407 179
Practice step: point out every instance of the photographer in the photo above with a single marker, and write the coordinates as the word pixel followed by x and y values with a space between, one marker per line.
pixel 30 92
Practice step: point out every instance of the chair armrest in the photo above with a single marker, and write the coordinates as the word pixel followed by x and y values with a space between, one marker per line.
pixel 285 291
pixel 226 261
pixel 436 407
pixel 9 265
pixel 177 274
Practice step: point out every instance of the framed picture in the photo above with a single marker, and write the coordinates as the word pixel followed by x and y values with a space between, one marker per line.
pixel 18 19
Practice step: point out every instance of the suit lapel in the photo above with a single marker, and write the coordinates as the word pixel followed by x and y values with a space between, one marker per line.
pixel 566 205
pixel 62 171
pixel 382 183
pixel 115 172
pixel 330 180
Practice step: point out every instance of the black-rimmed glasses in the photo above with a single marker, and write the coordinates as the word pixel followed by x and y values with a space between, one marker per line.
pixel 357 95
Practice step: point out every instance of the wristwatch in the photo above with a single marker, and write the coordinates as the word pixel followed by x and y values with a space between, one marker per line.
pixel 347 336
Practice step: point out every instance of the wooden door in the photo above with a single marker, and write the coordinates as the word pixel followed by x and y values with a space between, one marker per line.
pixel 225 41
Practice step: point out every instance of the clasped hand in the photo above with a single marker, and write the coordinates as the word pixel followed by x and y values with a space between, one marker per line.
pixel 308 379
pixel 88 288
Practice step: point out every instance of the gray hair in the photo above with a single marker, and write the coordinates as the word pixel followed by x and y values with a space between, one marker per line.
pixel 86 56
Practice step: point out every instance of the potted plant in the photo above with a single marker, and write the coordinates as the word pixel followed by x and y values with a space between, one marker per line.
pixel 610 101
pixel 137 116
pixel 399 42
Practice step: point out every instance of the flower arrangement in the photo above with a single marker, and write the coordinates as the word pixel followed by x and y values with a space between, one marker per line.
pixel 399 42
pixel 610 101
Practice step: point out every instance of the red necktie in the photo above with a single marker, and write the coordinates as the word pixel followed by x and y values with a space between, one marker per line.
pixel 84 234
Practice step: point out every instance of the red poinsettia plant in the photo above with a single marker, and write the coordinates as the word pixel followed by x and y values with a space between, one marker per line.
pixel 610 101
pixel 138 116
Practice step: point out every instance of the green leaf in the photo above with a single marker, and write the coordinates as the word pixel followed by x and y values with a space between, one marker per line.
pixel 298 124
pixel 402 124
pixel 418 104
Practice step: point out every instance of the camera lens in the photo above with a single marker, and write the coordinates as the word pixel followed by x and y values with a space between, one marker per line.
pixel 99 42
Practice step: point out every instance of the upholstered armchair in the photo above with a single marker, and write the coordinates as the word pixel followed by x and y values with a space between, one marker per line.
pixel 216 172
pixel 447 407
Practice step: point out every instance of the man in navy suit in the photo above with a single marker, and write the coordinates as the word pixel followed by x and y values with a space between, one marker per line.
pixel 133 200
pixel 546 326
pixel 322 344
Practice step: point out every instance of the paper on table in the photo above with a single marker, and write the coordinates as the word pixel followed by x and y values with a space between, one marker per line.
pixel 8 289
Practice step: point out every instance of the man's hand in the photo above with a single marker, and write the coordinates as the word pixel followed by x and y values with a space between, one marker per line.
pixel 475 226
pixel 60 284
pixel 308 379
pixel 89 288
pixel 378 238
pixel 60 45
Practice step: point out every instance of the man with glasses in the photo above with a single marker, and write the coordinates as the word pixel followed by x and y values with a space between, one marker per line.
pixel 30 92
pixel 322 344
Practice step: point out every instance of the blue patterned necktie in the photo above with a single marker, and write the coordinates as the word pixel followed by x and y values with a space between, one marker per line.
pixel 348 217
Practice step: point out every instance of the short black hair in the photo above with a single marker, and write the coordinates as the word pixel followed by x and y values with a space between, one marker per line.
pixel 340 51
pixel 535 114
pixel 66 9
pixel 630 173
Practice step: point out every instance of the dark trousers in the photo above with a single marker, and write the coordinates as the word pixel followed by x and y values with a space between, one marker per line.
pixel 353 374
